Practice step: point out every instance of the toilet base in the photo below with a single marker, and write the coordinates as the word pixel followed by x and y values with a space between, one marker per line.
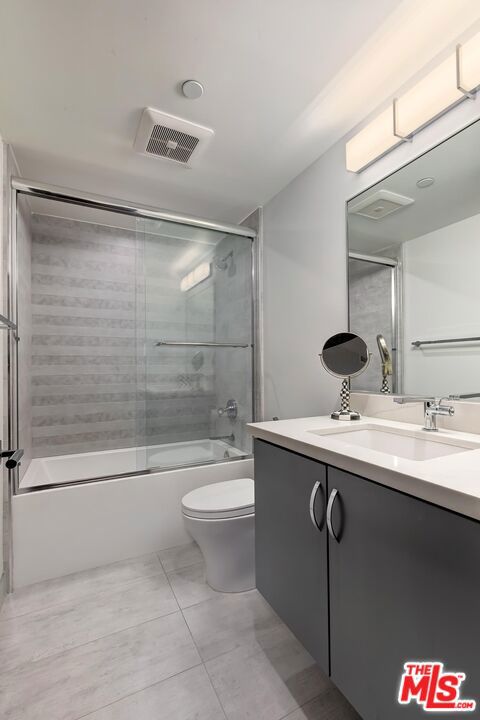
pixel 228 548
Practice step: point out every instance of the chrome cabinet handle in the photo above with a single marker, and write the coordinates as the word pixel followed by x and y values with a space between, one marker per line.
pixel 313 497
pixel 331 501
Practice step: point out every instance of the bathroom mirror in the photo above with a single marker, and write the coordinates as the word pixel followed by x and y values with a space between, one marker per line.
pixel 413 268
pixel 345 355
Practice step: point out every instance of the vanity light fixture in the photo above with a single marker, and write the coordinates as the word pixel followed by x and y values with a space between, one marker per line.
pixel 453 80
pixel 376 139
pixel 196 276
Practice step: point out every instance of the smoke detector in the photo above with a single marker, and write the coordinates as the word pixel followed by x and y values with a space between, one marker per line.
pixel 171 138
pixel 380 204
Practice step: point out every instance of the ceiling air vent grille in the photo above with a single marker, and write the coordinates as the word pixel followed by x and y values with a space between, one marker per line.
pixel 171 144
pixel 378 205
pixel 169 137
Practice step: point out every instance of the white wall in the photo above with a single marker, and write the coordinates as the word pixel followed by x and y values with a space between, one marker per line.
pixel 305 281
pixel 442 300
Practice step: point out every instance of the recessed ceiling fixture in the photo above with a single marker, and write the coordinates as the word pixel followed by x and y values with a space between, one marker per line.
pixel 453 80
pixel 171 138
pixel 425 182
pixel 192 89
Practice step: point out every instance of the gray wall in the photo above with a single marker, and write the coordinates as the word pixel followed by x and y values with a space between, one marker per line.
pixel 305 279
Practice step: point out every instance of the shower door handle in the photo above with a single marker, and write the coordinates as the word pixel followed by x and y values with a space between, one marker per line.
pixel 13 458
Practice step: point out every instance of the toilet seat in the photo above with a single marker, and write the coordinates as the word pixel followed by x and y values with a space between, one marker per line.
pixel 220 501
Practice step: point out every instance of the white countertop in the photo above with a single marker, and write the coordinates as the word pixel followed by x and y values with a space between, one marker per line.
pixel 451 481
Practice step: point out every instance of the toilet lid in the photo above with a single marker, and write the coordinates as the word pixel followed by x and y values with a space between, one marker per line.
pixel 231 498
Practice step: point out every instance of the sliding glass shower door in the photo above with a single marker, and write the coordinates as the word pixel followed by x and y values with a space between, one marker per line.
pixel 195 344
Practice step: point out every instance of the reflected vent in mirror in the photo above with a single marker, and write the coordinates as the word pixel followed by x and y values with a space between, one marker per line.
pixel 380 204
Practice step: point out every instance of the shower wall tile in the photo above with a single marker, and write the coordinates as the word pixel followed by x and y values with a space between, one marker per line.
pixel 90 384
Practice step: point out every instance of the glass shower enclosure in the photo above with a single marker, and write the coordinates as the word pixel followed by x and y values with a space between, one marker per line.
pixel 195 331
pixel 137 338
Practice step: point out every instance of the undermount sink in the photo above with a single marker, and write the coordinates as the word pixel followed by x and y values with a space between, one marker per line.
pixel 409 444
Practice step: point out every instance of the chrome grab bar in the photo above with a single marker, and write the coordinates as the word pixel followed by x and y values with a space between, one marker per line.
pixel 180 343
pixel 418 343
pixel 331 501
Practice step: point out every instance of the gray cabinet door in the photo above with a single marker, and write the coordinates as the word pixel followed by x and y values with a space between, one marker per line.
pixel 291 551
pixel 404 585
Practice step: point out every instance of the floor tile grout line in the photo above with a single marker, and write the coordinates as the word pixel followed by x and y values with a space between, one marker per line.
pixel 178 569
pixel 300 707
pixel 140 690
pixel 83 597
pixel 185 567
pixel 57 653
pixel 76 601
pixel 200 656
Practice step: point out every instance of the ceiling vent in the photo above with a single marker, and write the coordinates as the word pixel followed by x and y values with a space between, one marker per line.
pixel 171 138
pixel 380 204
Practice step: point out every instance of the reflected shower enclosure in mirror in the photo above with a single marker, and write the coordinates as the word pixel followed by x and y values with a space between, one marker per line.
pixel 413 269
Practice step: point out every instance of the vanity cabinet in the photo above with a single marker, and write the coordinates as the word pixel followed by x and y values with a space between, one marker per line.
pixel 291 543
pixel 402 577
pixel 404 585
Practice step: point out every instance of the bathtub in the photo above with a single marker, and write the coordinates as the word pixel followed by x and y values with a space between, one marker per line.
pixel 61 469
pixel 67 528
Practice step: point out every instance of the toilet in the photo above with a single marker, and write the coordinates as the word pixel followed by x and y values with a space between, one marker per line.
pixel 221 519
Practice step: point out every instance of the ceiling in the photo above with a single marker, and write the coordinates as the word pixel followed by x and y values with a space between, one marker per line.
pixel 283 81
pixel 454 196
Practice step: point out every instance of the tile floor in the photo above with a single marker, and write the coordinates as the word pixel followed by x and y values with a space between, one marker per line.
pixel 147 639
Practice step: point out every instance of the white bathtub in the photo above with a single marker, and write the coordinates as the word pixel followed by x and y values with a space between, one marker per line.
pixel 69 528
pixel 60 469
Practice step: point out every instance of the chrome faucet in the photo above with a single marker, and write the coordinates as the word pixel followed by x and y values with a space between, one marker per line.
pixel 432 408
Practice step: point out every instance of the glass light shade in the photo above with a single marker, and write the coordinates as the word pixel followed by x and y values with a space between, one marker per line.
pixel 469 55
pixel 430 97
pixel 373 140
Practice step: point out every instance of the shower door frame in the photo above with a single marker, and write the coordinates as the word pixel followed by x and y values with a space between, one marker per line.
pixel 20 186
pixel 396 311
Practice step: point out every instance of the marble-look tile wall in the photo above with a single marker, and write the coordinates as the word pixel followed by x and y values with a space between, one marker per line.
pixel 90 387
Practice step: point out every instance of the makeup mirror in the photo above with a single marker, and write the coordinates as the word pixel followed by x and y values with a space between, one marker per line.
pixel 345 355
